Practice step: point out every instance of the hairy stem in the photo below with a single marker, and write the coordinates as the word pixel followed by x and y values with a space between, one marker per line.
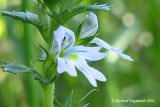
pixel 48 94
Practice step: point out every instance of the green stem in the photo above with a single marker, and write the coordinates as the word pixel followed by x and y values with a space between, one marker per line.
pixel 48 94
pixel 85 96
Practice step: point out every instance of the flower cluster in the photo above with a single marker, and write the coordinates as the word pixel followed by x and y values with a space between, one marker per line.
pixel 69 57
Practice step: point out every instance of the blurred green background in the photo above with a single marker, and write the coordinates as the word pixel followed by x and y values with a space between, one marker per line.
pixel 133 26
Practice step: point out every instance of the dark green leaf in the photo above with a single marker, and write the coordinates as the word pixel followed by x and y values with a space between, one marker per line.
pixel 85 41
pixel 79 30
pixel 69 100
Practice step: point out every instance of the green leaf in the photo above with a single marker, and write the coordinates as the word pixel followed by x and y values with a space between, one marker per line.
pixel 56 102
pixel 26 17
pixel 45 50
pixel 30 18
pixel 103 7
pixel 51 3
pixel 86 105
pixel 69 100
pixel 78 30
pixel 69 13
pixel 49 66
pixel 85 41
pixel 16 68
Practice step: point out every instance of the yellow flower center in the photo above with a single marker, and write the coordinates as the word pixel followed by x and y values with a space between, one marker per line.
pixel 73 57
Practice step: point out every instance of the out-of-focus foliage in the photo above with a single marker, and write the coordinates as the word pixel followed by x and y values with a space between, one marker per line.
pixel 130 25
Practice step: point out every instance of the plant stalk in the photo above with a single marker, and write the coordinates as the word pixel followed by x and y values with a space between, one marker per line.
pixel 48 94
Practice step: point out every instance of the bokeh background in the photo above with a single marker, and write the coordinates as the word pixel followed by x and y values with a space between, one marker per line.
pixel 131 25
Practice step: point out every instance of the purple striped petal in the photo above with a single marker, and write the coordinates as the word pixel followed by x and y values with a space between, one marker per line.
pixel 81 65
pixel 90 25
pixel 90 73
pixel 69 39
pixel 65 65
pixel 89 53
pixel 58 39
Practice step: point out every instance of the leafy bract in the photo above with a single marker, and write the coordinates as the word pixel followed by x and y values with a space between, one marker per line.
pixel 69 100
pixel 16 68
pixel 64 16
pixel 26 17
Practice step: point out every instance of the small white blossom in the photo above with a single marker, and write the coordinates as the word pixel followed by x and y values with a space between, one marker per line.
pixel 68 56
pixel 89 28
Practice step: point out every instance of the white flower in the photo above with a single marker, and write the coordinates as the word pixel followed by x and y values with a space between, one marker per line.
pixel 68 56
pixel 89 28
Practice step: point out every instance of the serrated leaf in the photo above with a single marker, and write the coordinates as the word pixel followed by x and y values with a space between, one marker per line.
pixel 32 18
pixel 103 7
pixel 16 68
pixel 69 100
pixel 26 17
pixel 86 105
pixel 69 13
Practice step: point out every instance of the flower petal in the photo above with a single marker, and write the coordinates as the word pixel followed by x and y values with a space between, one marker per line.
pixel 90 25
pixel 89 53
pixel 81 65
pixel 97 74
pixel 58 39
pixel 65 65
pixel 69 39
pixel 101 43
pixel 105 45
pixel 125 56
pixel 61 67
pixel 70 68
